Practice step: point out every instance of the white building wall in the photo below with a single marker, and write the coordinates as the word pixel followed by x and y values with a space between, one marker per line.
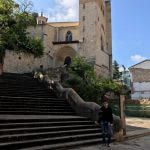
pixel 141 90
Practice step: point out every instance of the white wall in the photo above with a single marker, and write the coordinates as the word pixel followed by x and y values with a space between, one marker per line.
pixel 141 90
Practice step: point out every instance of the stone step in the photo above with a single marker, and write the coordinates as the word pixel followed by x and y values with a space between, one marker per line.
pixel 42 135
pixel 34 103
pixel 29 95
pixel 26 90
pixel 32 118
pixel 37 128
pixel 19 83
pixel 16 74
pixel 37 100
pixel 66 145
pixel 26 93
pixel 45 141
pixel 10 132
pixel 34 106
pixel 20 93
pixel 37 109
pixel 30 98
pixel 17 80
pixel 8 87
pixel 44 124
pixel 35 113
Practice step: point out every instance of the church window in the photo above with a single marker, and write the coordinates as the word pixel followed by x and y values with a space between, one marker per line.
pixel 83 6
pixel 107 45
pixel 102 44
pixel 83 28
pixel 102 26
pixel 69 36
pixel 83 18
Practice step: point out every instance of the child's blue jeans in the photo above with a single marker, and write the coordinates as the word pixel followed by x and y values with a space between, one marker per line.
pixel 106 131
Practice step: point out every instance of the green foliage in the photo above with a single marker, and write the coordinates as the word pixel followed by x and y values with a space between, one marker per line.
pixel 87 84
pixel 13 33
pixel 80 67
pixel 116 72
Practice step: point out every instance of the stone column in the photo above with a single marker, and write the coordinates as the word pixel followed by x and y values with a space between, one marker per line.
pixel 122 113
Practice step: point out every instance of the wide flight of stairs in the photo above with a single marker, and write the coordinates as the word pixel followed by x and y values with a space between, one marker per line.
pixel 34 118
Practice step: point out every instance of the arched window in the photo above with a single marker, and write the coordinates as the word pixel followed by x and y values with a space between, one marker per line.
pixel 69 36
pixel 67 61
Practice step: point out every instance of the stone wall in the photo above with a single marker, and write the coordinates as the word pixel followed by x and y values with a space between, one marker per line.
pixel 47 34
pixel 23 63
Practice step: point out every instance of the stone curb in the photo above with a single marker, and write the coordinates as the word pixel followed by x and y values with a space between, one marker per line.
pixel 137 134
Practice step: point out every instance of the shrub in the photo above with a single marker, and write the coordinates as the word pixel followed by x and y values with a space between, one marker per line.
pixel 83 79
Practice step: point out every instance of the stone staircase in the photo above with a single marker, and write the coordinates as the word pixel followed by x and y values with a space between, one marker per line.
pixel 34 118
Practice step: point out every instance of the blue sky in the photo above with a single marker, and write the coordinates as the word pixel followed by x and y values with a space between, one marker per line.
pixel 131 30
pixel 130 25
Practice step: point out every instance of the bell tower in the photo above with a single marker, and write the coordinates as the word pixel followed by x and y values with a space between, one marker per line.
pixel 95 33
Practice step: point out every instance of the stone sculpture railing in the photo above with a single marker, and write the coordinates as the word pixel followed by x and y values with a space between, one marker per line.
pixel 82 108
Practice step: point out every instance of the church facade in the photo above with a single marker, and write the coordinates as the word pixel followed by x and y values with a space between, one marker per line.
pixel 91 38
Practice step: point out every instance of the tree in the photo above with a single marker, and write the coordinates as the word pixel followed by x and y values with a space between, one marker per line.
pixel 14 23
pixel 26 6
pixel 116 72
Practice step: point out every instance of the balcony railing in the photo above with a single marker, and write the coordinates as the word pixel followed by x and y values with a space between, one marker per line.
pixel 65 42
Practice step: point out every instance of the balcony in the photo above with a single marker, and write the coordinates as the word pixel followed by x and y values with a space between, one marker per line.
pixel 65 42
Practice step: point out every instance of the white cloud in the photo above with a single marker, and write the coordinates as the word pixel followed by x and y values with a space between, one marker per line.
pixel 137 58
pixel 64 10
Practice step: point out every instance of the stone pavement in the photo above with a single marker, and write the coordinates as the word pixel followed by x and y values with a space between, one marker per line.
pixel 134 123
pixel 136 144
pixel 136 128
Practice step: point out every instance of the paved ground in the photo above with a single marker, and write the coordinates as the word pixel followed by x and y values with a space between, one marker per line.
pixel 134 123
pixel 137 144
pixel 134 126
